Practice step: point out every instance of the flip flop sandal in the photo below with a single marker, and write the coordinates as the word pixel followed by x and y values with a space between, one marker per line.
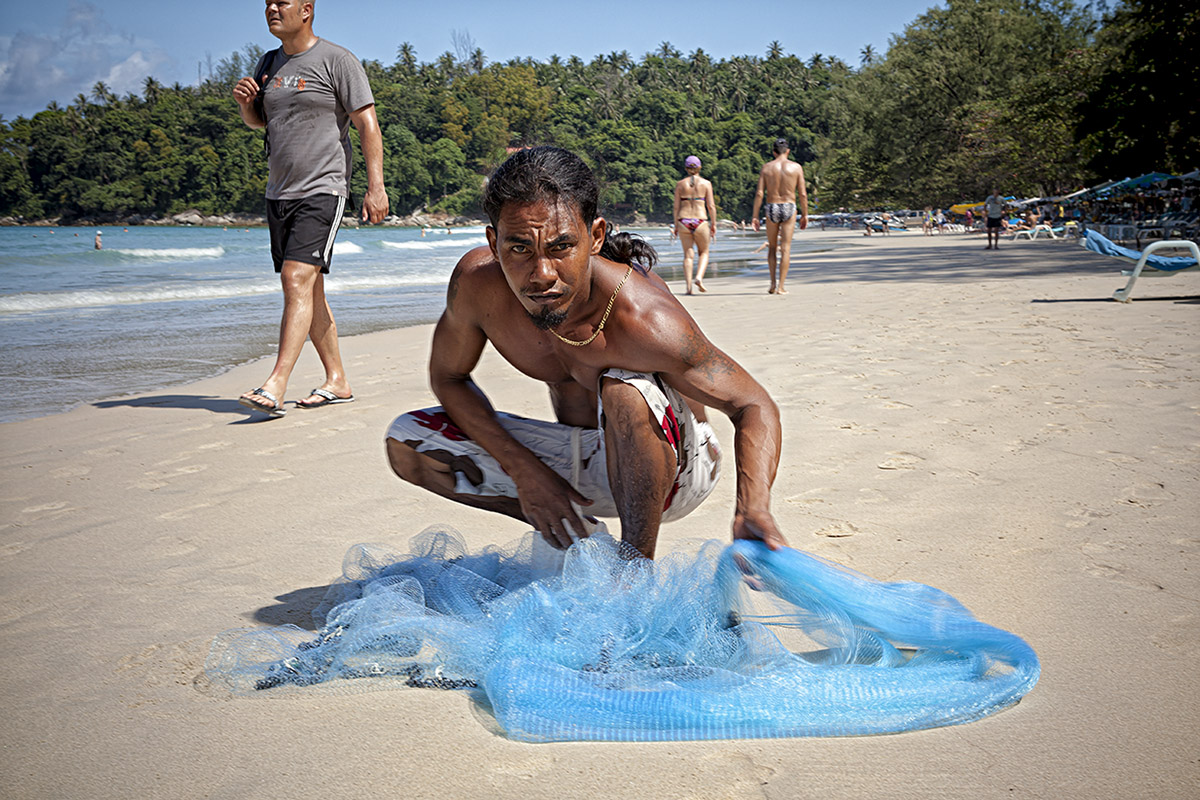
pixel 276 408
pixel 328 399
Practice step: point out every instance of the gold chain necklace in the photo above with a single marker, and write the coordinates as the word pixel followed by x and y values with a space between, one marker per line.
pixel 603 319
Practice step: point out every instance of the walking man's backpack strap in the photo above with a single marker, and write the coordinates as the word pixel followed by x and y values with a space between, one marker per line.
pixel 267 66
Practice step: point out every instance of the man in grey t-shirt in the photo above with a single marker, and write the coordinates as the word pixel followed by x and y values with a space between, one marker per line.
pixel 306 94
pixel 993 208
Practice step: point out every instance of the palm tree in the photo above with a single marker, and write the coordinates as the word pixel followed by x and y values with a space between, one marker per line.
pixel 836 65
pixel 477 60
pixel 620 61
pixel 868 56
pixel 406 55
pixel 667 51
pixel 447 66
pixel 816 60
pixel 151 89
pixel 774 50
pixel 103 94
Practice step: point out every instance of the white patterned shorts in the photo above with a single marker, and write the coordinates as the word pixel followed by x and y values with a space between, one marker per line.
pixel 577 454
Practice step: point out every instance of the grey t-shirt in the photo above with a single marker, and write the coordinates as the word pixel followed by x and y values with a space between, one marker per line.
pixel 308 104
pixel 994 206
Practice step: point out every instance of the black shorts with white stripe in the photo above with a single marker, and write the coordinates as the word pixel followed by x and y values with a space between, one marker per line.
pixel 303 230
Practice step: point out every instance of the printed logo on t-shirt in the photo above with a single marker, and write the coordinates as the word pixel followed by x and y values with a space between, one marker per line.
pixel 289 82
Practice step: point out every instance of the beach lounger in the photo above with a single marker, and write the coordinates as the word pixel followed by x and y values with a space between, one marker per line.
pixel 1145 261
pixel 1036 232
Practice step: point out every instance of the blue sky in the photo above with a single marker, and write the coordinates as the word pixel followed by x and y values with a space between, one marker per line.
pixel 55 49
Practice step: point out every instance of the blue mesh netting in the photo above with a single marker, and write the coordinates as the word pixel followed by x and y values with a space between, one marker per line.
pixel 730 642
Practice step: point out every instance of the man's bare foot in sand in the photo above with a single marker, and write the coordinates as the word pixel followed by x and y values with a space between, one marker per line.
pixel 700 286
pixel 781 290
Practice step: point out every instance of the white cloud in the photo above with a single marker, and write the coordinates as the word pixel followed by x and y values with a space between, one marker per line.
pixel 38 67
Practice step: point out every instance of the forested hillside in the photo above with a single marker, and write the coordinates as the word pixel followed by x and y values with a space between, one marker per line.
pixel 1035 96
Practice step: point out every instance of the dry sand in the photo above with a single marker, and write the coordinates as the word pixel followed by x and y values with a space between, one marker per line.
pixel 988 423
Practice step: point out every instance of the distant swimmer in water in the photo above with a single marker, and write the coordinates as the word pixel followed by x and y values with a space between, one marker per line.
pixel 780 181
pixel 695 212
pixel 99 245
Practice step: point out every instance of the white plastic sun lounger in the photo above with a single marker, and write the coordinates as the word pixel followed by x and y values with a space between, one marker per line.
pixel 1145 262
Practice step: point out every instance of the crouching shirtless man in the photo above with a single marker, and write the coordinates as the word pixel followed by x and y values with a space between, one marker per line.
pixel 628 370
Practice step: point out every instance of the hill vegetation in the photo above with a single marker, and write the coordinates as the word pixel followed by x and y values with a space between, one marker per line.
pixel 1035 96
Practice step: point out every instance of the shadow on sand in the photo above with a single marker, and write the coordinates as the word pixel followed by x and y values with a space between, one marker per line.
pixel 217 405
pixel 294 608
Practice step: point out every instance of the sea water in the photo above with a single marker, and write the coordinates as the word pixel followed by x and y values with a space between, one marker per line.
pixel 163 306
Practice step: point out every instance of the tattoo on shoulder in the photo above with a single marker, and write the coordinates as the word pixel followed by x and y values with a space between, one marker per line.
pixel 700 354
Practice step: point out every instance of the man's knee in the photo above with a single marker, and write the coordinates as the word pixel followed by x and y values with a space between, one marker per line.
pixel 404 460
pixel 298 277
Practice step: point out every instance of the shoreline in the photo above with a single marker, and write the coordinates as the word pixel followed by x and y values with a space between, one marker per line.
pixel 195 219
pixel 732 256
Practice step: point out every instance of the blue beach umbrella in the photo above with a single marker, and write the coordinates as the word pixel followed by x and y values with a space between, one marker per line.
pixel 1139 182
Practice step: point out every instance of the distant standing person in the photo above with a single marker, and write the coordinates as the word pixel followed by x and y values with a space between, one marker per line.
pixel 97 243
pixel 306 94
pixel 993 209
pixel 780 181
pixel 695 215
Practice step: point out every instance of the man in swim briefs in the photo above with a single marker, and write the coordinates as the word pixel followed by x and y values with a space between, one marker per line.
pixel 780 180
pixel 628 371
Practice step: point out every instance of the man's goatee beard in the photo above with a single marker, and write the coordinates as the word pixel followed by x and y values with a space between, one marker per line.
pixel 547 320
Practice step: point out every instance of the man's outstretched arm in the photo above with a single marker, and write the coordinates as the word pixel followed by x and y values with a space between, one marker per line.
pixel 711 377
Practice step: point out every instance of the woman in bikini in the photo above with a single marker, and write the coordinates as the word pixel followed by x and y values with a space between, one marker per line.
pixel 695 210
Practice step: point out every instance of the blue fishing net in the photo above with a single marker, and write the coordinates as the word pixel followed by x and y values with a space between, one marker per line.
pixel 728 642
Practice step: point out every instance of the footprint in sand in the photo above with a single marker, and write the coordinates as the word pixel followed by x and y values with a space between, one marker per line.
pixel 1084 516
pixel 1178 635
pixel 46 509
pixel 871 496
pixel 1146 495
pixel 838 530
pixel 157 479
pixel 1103 562
pixel 163 665
pixel 1118 458
pixel 276 474
pixel 900 460
pixel 183 513
pixel 808 498
pixel 276 450
pixel 1123 575
pixel 13 548
pixel 953 473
